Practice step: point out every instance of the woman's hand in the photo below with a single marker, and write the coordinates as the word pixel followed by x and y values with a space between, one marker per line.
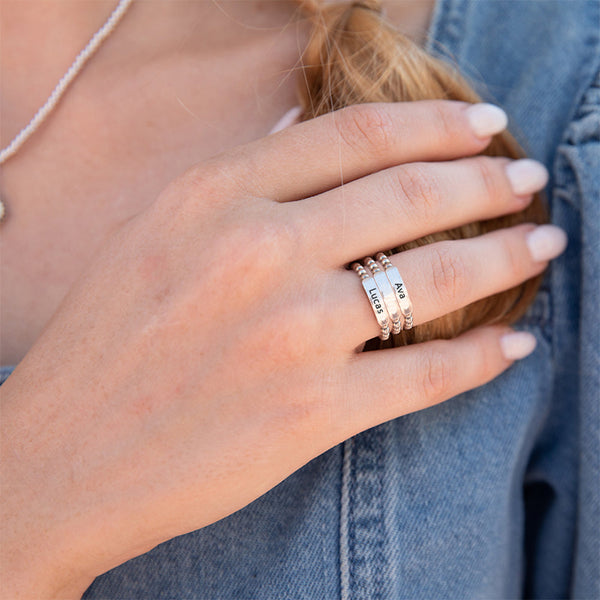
pixel 209 349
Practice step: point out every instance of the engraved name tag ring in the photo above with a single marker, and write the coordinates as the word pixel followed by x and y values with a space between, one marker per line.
pixel 386 293
pixel 399 289
pixel 389 296
pixel 376 300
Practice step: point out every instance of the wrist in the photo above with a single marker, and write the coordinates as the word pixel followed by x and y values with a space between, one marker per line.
pixel 37 553
pixel 30 569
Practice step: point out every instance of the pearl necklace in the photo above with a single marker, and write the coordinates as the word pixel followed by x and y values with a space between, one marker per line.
pixel 64 82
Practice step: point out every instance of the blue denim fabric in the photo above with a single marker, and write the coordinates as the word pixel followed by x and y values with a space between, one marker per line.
pixel 496 493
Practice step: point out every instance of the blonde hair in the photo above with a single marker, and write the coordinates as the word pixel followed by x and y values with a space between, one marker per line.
pixel 356 56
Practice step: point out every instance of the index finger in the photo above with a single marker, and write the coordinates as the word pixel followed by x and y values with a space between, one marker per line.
pixel 322 153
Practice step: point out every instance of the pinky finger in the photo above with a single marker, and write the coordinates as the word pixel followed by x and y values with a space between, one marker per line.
pixel 385 384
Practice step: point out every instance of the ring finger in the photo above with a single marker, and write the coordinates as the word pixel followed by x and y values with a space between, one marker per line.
pixel 445 276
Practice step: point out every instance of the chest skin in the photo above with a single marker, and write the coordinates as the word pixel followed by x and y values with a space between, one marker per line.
pixel 125 128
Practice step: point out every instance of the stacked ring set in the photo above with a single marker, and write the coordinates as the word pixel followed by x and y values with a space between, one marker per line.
pixel 386 293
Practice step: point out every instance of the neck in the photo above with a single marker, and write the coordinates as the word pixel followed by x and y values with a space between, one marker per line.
pixel 60 28
pixel 56 26
pixel 41 38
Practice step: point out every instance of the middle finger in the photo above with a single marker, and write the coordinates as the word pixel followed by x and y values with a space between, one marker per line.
pixel 403 203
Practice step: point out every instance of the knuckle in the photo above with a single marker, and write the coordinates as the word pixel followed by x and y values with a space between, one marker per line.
pixel 486 359
pixel 513 257
pixel 176 195
pixel 444 122
pixel 265 246
pixel 196 175
pixel 366 128
pixel 419 189
pixel 194 192
pixel 449 273
pixel 200 179
pixel 436 378
pixel 487 168
pixel 224 176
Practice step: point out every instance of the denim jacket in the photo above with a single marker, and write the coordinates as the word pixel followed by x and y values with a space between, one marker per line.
pixel 495 493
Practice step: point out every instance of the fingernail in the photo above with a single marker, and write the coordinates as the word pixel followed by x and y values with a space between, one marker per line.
pixel 486 119
pixel 546 242
pixel 290 118
pixel 517 344
pixel 526 176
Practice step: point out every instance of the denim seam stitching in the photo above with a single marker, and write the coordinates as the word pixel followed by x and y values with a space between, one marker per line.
pixel 366 519
pixel 344 518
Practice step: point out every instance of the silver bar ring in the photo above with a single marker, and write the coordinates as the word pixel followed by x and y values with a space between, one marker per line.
pixel 389 296
pixel 399 287
pixel 375 299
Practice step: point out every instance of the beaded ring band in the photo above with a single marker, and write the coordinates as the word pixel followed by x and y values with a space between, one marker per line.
pixel 375 299
pixel 389 296
pixel 399 289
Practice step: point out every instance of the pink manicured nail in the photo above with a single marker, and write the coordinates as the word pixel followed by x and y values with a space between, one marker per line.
pixel 486 119
pixel 526 176
pixel 290 118
pixel 546 242
pixel 518 344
